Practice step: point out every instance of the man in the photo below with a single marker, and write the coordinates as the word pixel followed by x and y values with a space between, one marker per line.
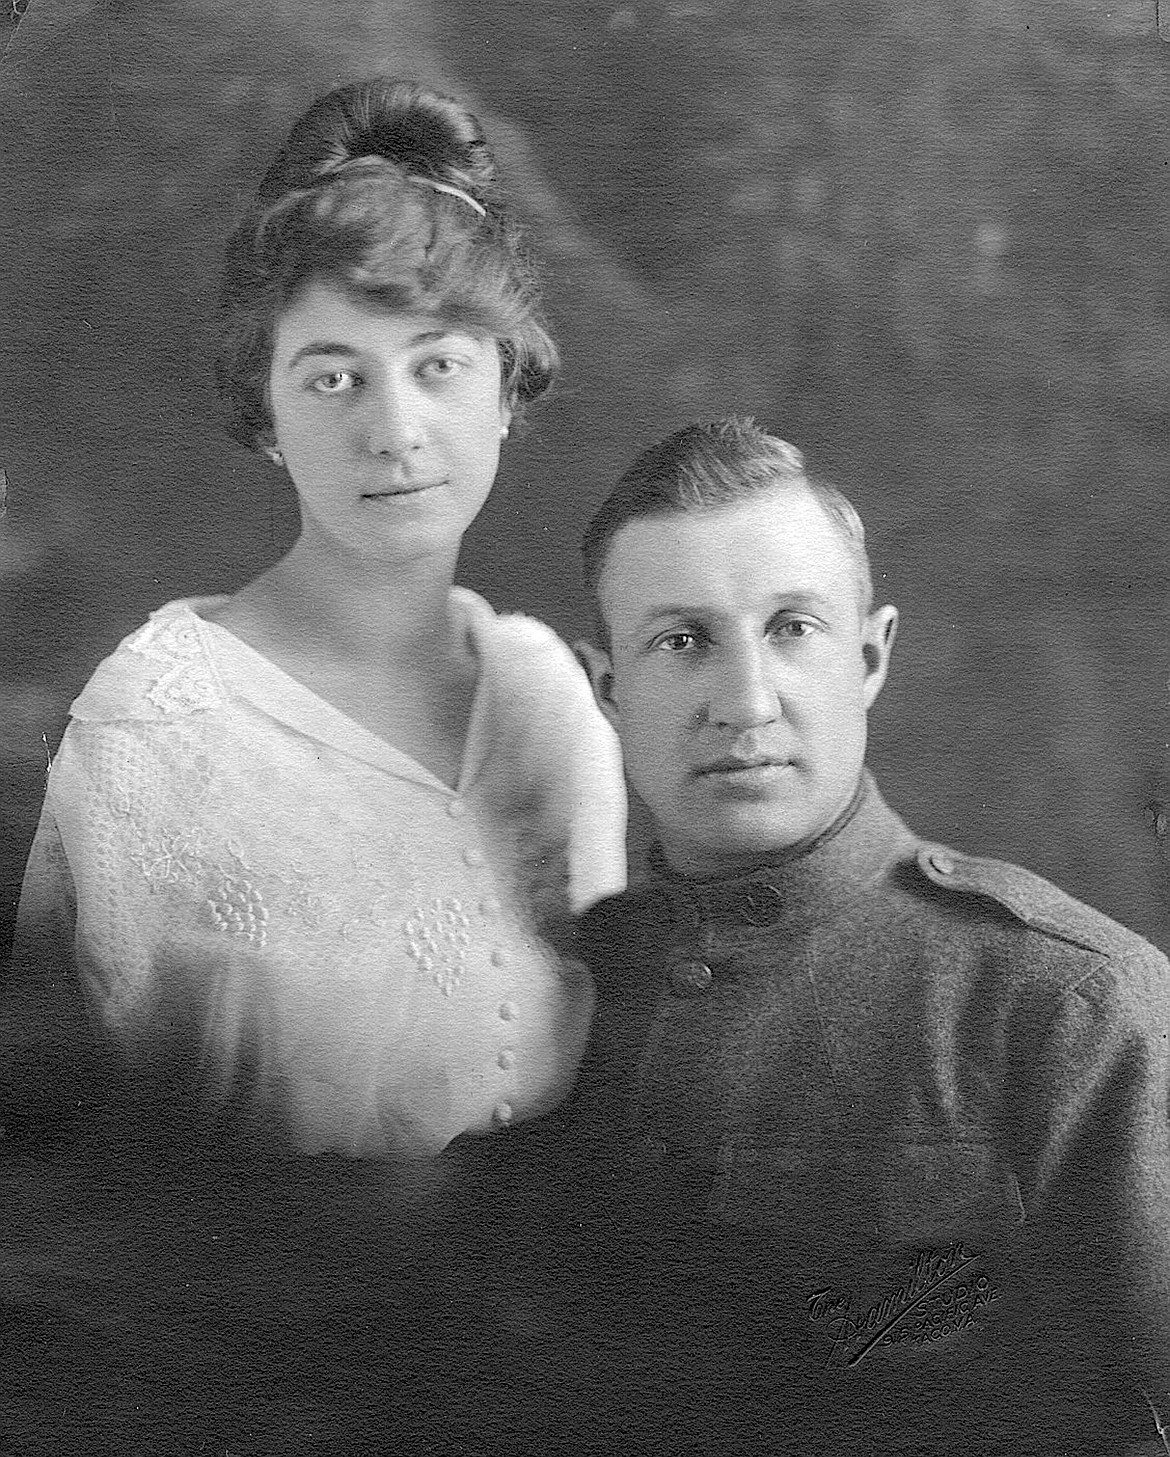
pixel 872 1135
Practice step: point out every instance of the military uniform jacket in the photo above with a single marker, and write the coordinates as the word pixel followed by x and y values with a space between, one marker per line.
pixel 872 1156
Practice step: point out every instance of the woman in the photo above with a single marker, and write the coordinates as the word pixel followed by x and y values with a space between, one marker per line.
pixel 307 851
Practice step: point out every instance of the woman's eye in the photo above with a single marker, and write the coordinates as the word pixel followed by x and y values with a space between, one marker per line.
pixel 334 382
pixel 441 368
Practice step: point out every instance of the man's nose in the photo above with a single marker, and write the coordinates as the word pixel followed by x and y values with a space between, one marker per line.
pixel 744 691
pixel 392 418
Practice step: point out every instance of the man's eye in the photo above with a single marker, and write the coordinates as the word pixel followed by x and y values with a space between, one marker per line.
pixel 675 642
pixel 794 627
pixel 334 382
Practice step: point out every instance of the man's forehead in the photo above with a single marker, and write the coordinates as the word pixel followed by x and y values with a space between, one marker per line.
pixel 778 543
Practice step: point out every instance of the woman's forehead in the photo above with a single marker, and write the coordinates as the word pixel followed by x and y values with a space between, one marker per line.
pixel 324 312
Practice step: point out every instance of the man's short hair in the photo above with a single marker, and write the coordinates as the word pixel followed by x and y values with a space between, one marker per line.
pixel 706 466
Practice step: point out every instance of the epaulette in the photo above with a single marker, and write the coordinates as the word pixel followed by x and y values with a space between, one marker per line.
pixel 1030 898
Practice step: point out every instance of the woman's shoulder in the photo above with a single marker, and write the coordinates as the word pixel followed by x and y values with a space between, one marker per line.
pixel 535 682
pixel 515 637
pixel 164 669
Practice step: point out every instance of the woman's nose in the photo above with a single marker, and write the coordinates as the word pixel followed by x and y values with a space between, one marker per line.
pixel 392 419
pixel 744 693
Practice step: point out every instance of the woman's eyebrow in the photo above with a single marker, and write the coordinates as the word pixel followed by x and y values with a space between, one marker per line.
pixel 347 351
pixel 322 346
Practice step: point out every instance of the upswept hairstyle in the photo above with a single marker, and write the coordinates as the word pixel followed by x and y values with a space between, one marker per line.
pixel 388 191
pixel 705 466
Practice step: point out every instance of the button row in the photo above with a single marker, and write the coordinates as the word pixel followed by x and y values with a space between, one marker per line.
pixel 490 905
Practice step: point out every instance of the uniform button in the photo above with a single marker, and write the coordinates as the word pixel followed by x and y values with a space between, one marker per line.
pixel 506 1059
pixel 691 978
pixel 509 1011
pixel 504 1114
pixel 942 862
pixel 473 857
pixel 456 809
pixel 490 905
pixel 499 958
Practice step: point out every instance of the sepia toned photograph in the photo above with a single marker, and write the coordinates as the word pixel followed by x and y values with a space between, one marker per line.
pixel 584 728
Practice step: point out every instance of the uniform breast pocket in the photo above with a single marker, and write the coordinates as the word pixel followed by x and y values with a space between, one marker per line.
pixel 931 1195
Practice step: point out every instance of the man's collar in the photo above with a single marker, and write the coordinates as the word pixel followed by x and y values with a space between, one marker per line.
pixel 803 883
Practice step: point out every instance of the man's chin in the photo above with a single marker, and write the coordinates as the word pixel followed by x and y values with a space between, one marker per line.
pixel 727 845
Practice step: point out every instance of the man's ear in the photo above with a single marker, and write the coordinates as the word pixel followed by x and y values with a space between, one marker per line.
pixel 877 643
pixel 597 664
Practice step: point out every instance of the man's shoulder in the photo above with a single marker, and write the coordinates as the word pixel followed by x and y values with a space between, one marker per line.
pixel 624 927
pixel 975 884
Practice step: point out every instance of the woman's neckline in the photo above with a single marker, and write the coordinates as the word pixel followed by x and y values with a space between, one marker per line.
pixel 470 611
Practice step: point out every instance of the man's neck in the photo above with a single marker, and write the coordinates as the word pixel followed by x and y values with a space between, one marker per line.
pixel 663 863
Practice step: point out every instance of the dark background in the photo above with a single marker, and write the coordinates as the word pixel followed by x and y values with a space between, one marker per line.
pixel 923 242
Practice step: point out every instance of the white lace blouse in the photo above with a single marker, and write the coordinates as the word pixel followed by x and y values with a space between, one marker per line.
pixel 253 887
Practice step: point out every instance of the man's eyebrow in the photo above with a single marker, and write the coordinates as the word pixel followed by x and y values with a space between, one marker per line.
pixel 697 612
pixel 347 351
pixel 802 598
pixel 670 612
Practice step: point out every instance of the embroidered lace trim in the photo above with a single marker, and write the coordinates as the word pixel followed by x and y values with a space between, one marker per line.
pixel 186 680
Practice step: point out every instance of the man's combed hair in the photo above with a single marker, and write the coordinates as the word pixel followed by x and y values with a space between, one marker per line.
pixel 707 466
pixel 387 191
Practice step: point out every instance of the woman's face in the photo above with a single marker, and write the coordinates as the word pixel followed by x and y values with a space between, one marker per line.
pixel 389 424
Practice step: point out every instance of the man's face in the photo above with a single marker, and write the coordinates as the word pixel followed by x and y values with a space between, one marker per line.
pixel 740 673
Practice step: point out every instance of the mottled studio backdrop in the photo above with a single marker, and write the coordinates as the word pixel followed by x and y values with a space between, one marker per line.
pixel 925 242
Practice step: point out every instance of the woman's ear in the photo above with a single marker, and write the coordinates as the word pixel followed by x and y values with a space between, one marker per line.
pixel 597 664
pixel 265 441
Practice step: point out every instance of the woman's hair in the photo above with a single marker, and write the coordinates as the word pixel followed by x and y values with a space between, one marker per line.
pixel 388 191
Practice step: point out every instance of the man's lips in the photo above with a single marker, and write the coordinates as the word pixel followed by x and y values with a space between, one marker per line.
pixel 734 764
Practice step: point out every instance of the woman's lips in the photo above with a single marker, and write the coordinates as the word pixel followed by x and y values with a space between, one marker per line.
pixel 395 493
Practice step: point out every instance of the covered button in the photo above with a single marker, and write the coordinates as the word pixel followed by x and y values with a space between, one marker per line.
pixel 690 978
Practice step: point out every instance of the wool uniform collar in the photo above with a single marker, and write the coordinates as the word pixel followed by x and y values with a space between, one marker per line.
pixel 797 886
